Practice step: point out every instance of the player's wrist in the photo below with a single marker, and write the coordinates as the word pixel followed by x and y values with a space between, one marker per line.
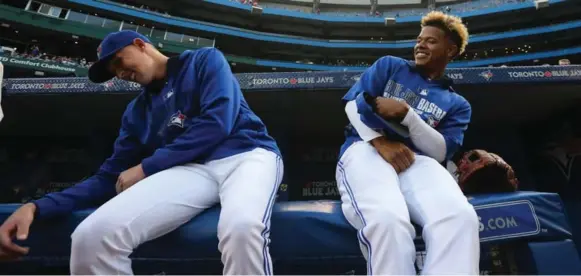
pixel 405 110
pixel 381 141
pixel 409 117
pixel 377 141
pixel 30 207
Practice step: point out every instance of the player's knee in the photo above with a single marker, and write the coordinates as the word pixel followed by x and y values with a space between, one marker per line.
pixel 467 219
pixel 80 240
pixel 463 220
pixel 94 235
pixel 85 244
pixel 240 229
pixel 385 220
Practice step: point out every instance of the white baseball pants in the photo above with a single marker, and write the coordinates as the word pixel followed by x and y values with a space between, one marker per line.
pixel 245 184
pixel 379 204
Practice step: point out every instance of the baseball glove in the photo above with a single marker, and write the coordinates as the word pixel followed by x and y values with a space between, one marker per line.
pixel 480 171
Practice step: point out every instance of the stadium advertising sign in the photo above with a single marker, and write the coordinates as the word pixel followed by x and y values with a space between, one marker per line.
pixel 455 75
pixel 507 220
pixel 43 65
pixel 68 85
pixel 559 73
pixel 291 80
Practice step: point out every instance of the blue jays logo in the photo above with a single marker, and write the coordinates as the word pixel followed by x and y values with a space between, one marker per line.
pixel 487 75
pixel 432 121
pixel 177 119
pixel 99 51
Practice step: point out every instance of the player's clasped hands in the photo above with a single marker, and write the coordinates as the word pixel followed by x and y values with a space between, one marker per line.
pixel 395 153
pixel 17 225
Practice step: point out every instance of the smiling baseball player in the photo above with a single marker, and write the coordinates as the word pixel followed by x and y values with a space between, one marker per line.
pixel 187 142
pixel 405 120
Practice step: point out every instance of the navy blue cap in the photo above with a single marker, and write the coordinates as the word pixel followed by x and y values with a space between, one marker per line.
pixel 111 44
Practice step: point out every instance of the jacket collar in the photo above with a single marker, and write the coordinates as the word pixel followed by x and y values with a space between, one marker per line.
pixel 174 64
pixel 444 81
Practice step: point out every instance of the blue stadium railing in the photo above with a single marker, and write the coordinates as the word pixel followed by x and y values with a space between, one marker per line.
pixel 305 80
pixel 459 64
pixel 279 38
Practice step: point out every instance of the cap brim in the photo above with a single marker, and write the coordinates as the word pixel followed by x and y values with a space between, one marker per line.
pixel 98 72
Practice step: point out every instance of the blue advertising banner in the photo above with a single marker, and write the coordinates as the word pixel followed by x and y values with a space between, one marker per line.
pixel 307 80
pixel 507 220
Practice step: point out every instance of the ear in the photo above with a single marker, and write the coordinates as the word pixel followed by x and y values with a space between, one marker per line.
pixel 139 43
pixel 452 51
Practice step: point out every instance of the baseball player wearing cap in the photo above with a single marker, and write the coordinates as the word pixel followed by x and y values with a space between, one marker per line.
pixel 187 142
pixel 405 120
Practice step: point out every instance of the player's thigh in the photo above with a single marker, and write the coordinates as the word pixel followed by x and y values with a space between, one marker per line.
pixel 431 192
pixel 154 206
pixel 248 190
pixel 369 186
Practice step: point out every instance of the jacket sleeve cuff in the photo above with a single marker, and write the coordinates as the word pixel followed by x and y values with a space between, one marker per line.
pixel 373 120
pixel 363 106
pixel 150 166
pixel 44 207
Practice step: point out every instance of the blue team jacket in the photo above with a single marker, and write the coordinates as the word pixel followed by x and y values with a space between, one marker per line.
pixel 434 100
pixel 197 114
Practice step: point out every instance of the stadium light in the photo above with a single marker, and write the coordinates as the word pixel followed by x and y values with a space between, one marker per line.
pixel 389 21
pixel 256 10
pixel 541 4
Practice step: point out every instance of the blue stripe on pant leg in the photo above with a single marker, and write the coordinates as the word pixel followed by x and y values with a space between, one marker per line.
pixel 360 235
pixel 266 217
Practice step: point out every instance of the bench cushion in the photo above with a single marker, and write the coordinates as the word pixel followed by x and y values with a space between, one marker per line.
pixel 312 229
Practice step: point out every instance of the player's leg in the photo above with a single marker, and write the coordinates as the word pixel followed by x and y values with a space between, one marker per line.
pixel 247 193
pixel 450 224
pixel 102 243
pixel 374 205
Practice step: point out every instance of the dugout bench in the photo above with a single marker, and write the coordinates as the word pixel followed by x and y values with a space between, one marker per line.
pixel 520 233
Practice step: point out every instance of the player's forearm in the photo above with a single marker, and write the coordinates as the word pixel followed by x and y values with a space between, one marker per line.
pixel 365 132
pixel 92 191
pixel 424 137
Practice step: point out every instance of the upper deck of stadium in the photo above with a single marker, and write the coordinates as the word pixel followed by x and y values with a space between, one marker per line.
pixel 222 17
pixel 88 18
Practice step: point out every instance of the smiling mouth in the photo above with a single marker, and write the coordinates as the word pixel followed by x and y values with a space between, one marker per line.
pixel 421 55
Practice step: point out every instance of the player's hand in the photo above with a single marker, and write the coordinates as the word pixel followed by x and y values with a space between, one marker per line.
pixel 17 225
pixel 128 178
pixel 395 153
pixel 391 109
